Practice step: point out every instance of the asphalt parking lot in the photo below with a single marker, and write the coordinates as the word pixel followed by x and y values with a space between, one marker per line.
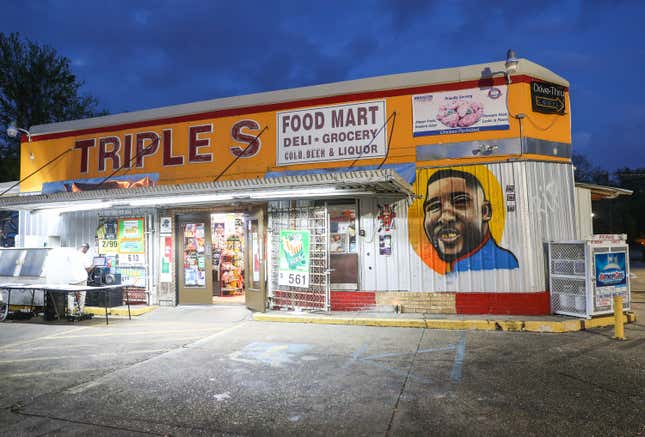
pixel 213 371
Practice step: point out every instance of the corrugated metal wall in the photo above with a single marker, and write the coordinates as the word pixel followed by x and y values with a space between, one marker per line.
pixel 76 228
pixel 544 211
pixel 584 219
pixel 34 228
pixel 382 272
pixel 73 229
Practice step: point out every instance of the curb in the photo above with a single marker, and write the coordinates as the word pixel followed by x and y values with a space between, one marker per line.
pixel 120 311
pixel 451 324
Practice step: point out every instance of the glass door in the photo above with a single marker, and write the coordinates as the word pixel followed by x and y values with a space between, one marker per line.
pixel 343 248
pixel 195 282
pixel 255 284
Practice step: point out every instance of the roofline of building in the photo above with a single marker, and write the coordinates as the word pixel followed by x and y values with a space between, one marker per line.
pixel 604 191
pixel 383 182
pixel 487 71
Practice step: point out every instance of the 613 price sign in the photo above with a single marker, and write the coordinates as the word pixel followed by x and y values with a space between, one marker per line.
pixel 132 259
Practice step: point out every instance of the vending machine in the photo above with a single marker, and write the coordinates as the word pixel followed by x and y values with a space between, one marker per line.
pixel 585 275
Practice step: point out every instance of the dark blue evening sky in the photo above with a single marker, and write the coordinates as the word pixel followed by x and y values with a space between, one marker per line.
pixel 143 54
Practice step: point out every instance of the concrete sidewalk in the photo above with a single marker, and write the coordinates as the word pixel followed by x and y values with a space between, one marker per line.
pixel 135 310
pixel 484 322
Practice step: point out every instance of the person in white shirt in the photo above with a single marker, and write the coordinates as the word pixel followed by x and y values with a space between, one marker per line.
pixel 87 260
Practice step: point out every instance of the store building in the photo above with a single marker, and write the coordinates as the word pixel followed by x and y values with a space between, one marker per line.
pixel 436 191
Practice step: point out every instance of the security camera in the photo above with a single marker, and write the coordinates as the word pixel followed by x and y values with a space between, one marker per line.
pixel 12 131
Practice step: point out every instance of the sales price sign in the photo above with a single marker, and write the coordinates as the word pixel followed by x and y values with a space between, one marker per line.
pixel 293 268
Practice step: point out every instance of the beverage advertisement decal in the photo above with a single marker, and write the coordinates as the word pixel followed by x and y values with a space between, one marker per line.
pixel 293 267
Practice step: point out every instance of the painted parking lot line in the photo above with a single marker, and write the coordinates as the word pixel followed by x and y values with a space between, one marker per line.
pixel 83 356
pixel 373 360
pixel 38 339
pixel 109 376
pixel 91 346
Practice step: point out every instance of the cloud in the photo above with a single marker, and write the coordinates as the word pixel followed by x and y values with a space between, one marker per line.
pixel 161 52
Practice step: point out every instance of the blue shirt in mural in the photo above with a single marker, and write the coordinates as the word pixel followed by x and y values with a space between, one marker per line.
pixel 488 256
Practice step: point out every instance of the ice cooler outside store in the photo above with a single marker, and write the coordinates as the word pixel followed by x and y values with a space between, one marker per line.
pixel 585 275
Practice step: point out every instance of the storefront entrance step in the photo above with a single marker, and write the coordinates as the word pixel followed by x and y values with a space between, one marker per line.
pixel 135 310
pixel 553 324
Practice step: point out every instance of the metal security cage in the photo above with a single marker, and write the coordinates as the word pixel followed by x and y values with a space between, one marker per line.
pixel 316 295
pixel 585 275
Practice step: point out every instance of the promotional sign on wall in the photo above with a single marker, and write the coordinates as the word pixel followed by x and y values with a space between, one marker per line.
pixel 165 225
pixel 610 270
pixel 106 235
pixel 332 133
pixel 131 235
pixel 132 276
pixel 131 242
pixel 293 263
pixel 451 112
pixel 385 244
pixel 548 98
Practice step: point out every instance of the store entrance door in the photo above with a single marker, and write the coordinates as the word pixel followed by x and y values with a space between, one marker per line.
pixel 255 283
pixel 194 278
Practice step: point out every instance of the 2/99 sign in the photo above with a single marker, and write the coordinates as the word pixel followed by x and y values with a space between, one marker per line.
pixel 300 280
pixel 108 246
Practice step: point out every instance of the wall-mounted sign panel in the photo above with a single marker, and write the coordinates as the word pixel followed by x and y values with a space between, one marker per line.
pixel 131 238
pixel 547 98
pixel 332 133
pixel 458 112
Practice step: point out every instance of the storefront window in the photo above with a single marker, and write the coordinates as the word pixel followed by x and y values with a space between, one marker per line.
pixel 121 240
pixel 194 255
pixel 342 228
pixel 228 254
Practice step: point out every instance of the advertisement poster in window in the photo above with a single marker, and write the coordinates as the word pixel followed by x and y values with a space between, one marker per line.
pixel 131 241
pixel 255 248
pixel 106 235
pixel 293 265
pixel 132 276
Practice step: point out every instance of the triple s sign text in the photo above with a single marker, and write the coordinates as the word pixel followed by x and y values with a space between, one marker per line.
pixel 330 133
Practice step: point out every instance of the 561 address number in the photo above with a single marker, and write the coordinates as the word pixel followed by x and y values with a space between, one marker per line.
pixel 294 279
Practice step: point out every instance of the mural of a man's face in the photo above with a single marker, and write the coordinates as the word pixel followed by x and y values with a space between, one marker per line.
pixel 456 214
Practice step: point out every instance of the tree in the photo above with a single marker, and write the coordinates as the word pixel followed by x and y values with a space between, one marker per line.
pixel 36 86
pixel 586 172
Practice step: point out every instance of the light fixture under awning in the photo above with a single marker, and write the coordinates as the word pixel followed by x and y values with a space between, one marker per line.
pixel 385 183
